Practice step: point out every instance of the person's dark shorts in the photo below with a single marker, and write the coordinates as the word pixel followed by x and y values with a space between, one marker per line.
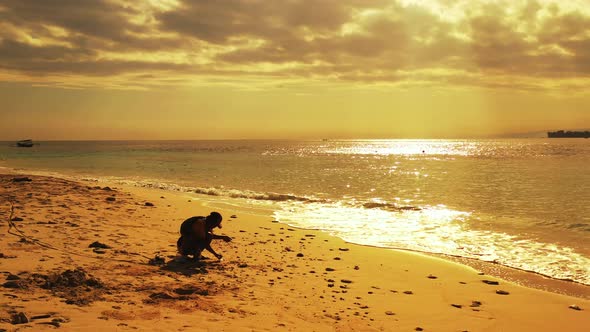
pixel 188 245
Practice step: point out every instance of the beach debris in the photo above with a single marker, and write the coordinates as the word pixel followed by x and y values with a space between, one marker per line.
pixel 575 307
pixel 111 199
pixel 41 316
pixel 408 292
pixel 458 306
pixel 490 282
pixel 343 249
pixel 430 276
pixel 346 281
pixel 98 245
pixel 149 204
pixel 389 313
pixel 299 255
pixel 22 179
pixel 19 318
pixel 502 292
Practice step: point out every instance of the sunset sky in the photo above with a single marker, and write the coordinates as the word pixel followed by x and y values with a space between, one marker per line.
pixel 197 69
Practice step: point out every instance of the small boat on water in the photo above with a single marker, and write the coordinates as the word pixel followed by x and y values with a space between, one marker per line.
pixel 27 143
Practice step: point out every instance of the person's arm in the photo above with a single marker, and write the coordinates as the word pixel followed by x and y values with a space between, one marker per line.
pixel 208 247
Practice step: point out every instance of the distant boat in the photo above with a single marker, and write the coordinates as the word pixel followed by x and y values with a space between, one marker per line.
pixel 27 143
pixel 568 134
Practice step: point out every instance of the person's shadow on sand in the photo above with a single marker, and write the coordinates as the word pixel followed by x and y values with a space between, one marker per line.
pixel 189 267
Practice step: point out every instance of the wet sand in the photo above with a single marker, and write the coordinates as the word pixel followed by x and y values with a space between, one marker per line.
pixel 273 277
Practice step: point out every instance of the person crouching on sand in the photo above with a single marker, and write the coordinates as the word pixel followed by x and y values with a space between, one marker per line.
pixel 196 234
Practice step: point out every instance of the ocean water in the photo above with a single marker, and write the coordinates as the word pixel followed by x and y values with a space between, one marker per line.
pixel 522 203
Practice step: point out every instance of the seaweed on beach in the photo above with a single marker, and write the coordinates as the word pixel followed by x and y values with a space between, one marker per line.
pixel 75 286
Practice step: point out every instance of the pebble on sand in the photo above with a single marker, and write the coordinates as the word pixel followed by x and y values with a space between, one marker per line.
pixel 149 204
pixel 575 307
pixel 99 245
pixel 502 292
pixel 390 313
pixel 490 282
pixel 299 255
pixel 19 318
pixel 111 199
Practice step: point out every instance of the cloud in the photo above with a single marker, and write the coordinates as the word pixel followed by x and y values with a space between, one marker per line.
pixel 454 43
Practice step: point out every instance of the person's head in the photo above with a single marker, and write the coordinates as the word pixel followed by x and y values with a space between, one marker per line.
pixel 213 220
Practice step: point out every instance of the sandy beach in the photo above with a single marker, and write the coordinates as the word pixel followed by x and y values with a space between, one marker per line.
pixel 272 277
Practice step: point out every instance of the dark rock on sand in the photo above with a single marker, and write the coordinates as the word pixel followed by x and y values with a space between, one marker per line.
pixel 111 199
pixel 299 255
pixel 99 245
pixel 475 304
pixel 346 281
pixel 490 282
pixel 329 269
pixel 13 284
pixel 12 277
pixel 390 313
pixel 458 306
pixel 343 249
pixel 19 318
pixel 17 219
pixel 575 307
pixel 502 292
pixel 233 216
pixel 149 204
pixel 243 265
pixel 157 261
pixel 21 179
pixel 418 329
pixel 41 316
pixel 430 276
pixel 107 189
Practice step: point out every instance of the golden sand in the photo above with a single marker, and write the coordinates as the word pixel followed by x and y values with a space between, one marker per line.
pixel 273 277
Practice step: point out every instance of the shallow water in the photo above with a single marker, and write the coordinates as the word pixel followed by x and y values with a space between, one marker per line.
pixel 521 203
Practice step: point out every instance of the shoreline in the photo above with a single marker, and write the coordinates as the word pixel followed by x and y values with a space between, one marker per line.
pixel 526 278
pixel 273 277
